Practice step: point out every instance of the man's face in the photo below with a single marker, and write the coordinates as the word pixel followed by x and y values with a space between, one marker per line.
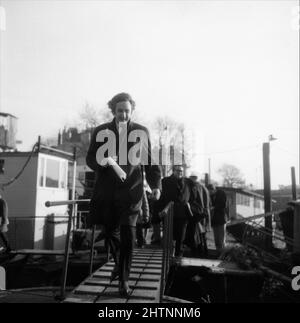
pixel 178 171
pixel 123 111
pixel 194 178
pixel 211 191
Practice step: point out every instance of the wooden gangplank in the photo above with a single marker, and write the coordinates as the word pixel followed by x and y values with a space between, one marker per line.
pixel 144 280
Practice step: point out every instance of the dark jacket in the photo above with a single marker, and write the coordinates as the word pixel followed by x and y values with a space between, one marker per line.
pixel 111 195
pixel 200 204
pixel 178 191
pixel 218 202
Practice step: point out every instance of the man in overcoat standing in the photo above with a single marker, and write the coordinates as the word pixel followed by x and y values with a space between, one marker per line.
pixel 177 188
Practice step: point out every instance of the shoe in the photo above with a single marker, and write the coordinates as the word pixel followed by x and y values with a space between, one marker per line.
pixel 114 274
pixel 124 289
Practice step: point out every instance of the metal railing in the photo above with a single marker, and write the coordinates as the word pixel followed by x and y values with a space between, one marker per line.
pixel 167 214
pixel 72 208
pixel 254 235
pixel 253 229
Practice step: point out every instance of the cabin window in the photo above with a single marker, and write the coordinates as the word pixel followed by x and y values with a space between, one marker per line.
pixel 257 203
pixel 247 200
pixel 243 199
pixel 41 172
pixel 52 173
pixel 63 174
pixel 2 161
pixel 238 199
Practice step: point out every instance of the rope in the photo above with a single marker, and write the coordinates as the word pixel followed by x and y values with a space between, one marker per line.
pixel 2 185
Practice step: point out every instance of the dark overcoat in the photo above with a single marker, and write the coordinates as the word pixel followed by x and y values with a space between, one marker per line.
pixel 114 201
pixel 178 191
pixel 218 202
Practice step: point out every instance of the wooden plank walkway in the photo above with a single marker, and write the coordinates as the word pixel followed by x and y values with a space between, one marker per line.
pixel 144 280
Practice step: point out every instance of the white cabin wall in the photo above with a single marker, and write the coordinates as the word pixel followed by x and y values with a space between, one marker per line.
pixel 45 220
pixel 21 198
pixel 50 230
pixel 247 211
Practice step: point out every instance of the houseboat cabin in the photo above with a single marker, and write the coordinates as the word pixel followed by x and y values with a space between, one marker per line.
pixel 45 177
pixel 242 203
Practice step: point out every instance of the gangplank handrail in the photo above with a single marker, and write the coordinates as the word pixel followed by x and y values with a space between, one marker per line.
pixel 72 203
pixel 68 202
pixel 167 214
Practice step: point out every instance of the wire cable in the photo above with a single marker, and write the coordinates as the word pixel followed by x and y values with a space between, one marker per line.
pixel 2 185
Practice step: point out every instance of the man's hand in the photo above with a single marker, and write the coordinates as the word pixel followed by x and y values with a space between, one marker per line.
pixel 155 194
pixel 3 228
pixel 105 161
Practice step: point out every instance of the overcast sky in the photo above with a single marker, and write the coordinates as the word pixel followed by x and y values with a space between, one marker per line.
pixel 229 69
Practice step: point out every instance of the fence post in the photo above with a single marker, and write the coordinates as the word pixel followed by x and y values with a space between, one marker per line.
pixel 167 246
pixel 294 187
pixel 92 249
pixel 66 256
pixel 267 192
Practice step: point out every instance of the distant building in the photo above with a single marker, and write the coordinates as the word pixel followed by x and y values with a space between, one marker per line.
pixel 32 224
pixel 72 137
pixel 8 131
pixel 66 141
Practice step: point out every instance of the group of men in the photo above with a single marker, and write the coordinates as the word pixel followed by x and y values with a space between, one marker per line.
pixel 120 155
pixel 196 210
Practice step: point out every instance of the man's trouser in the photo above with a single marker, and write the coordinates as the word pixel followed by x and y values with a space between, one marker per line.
pixel 121 241
pixel 179 232
pixel 219 236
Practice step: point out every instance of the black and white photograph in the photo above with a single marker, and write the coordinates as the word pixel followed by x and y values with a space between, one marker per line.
pixel 149 155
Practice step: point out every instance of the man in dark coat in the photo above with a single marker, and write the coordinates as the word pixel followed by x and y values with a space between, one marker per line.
pixel 117 200
pixel 4 223
pixel 177 188
pixel 199 224
pixel 218 215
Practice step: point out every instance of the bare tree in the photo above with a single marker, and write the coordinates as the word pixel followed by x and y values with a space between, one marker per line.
pixel 232 176
pixel 91 117
pixel 171 135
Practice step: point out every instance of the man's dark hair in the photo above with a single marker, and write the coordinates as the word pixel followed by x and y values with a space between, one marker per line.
pixel 121 97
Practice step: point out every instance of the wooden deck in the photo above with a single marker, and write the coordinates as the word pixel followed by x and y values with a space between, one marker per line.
pixel 144 280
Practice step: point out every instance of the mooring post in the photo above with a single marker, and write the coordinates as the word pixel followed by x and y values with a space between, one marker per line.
pixel 267 193
pixel 294 188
